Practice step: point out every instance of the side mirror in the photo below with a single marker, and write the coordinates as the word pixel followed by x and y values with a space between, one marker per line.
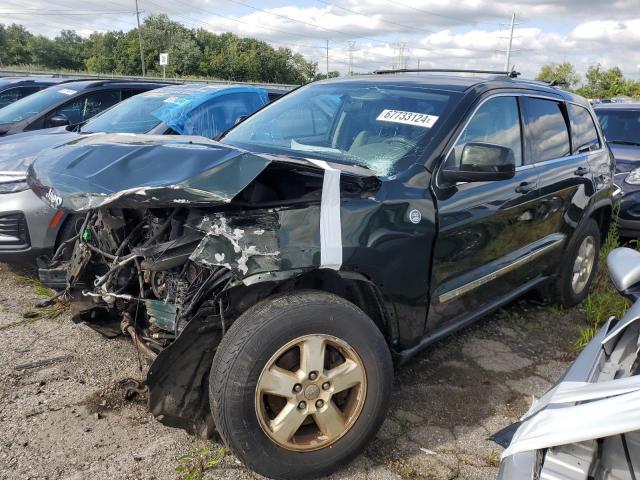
pixel 59 120
pixel 483 162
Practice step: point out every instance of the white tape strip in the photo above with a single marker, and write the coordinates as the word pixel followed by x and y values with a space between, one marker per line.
pixel 330 226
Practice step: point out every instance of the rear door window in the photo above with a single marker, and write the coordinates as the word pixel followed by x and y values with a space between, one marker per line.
pixel 83 108
pixel 10 96
pixel 130 92
pixel 546 128
pixel 583 130
pixel 221 113
pixel 496 121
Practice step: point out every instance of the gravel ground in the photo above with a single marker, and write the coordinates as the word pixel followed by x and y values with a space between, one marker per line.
pixel 69 419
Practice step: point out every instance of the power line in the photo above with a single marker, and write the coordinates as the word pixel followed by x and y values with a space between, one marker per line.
pixel 65 13
pixel 457 19
pixel 238 21
pixel 372 17
pixel 192 21
pixel 305 23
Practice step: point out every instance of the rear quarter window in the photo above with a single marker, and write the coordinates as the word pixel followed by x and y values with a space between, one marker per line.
pixel 583 130
pixel 546 127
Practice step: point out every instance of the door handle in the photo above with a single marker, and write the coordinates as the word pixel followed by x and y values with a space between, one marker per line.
pixel 526 187
pixel 581 171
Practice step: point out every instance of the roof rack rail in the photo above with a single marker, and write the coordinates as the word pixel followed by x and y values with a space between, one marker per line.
pixel 511 73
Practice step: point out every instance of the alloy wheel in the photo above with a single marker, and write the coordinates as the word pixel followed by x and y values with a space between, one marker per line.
pixel 310 392
pixel 583 264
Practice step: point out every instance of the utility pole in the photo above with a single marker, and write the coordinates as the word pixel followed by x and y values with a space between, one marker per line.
pixel 140 39
pixel 403 58
pixel 327 58
pixel 508 59
pixel 352 47
pixel 418 64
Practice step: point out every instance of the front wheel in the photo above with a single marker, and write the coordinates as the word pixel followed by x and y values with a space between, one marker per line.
pixel 300 384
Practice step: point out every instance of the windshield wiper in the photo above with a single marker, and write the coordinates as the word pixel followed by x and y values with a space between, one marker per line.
pixel 624 142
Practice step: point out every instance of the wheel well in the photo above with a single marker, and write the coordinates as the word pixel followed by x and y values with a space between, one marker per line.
pixel 602 216
pixel 355 289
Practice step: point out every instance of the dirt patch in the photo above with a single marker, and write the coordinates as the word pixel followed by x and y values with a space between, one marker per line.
pixel 121 394
pixel 73 420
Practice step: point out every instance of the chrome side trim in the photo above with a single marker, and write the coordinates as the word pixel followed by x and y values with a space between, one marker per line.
pixel 467 287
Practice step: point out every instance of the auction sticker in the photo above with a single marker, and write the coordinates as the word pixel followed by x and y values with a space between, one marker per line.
pixel 408 118
pixel 67 91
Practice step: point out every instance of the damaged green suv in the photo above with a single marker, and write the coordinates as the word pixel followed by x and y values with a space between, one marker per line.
pixel 274 277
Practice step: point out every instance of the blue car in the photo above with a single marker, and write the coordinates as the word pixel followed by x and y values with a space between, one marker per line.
pixel 29 228
pixel 621 125
pixel 16 88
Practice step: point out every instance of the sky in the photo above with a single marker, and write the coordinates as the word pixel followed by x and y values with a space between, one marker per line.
pixel 382 34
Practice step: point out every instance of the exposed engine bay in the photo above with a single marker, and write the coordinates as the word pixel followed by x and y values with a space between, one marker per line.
pixel 174 273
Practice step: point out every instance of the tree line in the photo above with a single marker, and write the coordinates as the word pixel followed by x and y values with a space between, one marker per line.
pixel 598 83
pixel 192 52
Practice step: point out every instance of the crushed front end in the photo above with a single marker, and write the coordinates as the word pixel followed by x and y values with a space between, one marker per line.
pixel 171 256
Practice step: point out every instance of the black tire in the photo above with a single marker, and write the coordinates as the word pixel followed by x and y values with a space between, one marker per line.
pixel 71 227
pixel 561 291
pixel 247 347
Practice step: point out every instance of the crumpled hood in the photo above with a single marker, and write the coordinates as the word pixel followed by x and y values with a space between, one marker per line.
pixel 134 171
pixel 627 157
pixel 19 151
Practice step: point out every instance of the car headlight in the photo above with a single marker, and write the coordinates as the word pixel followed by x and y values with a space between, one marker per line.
pixel 11 182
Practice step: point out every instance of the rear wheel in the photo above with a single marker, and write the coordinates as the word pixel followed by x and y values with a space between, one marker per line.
pixel 579 266
pixel 300 384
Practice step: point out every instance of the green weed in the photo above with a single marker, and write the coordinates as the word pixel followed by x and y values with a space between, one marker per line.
pixel 194 464
pixel 493 459
pixel 603 300
pixel 405 425
pixel 408 472
pixel 38 287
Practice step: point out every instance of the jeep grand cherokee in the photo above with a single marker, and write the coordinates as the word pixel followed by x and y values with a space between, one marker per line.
pixel 273 278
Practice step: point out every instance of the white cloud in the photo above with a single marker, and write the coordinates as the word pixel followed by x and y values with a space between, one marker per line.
pixel 437 33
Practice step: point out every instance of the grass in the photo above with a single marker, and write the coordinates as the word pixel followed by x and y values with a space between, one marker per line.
pixel 603 300
pixel 194 464
pixel 52 311
pixel 493 459
pixel 38 288
pixel 408 472
pixel 405 425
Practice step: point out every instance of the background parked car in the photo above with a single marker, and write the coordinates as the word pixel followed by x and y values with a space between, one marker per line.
pixel 29 228
pixel 621 125
pixel 16 88
pixel 69 103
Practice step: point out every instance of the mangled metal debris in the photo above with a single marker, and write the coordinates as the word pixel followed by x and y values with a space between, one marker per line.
pixel 187 242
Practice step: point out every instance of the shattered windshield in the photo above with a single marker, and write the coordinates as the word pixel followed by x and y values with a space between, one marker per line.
pixel 372 125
